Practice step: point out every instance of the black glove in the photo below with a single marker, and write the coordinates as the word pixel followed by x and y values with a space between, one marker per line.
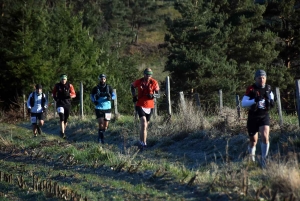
pixel 257 99
pixel 29 110
pixel 108 96
pixel 151 96
pixel 134 99
pixel 44 109
pixel 96 102
pixel 267 101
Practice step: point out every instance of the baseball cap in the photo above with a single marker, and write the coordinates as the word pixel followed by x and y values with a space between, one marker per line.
pixel 38 86
pixel 148 71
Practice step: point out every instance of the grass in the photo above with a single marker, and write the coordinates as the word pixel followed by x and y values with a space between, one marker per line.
pixel 188 158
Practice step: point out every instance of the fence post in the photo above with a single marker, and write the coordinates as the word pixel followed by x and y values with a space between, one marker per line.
pixel 221 99
pixel 46 112
pixel 238 105
pixel 24 107
pixel 279 106
pixel 182 101
pixel 298 99
pixel 54 105
pixel 81 100
pixel 197 98
pixel 116 103
pixel 155 108
pixel 168 95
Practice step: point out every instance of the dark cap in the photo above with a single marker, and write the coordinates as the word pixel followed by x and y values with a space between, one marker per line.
pixel 38 86
pixel 260 73
pixel 101 76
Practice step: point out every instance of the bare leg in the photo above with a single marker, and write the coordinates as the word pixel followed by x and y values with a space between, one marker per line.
pixel 143 131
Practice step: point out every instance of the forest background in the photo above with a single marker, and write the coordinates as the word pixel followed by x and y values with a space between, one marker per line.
pixel 202 45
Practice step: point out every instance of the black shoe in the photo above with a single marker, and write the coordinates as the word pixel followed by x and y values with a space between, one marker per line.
pixel 63 135
pixel 39 130
pixel 101 137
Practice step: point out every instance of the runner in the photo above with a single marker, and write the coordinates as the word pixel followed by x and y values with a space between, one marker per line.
pixel 36 105
pixel 62 93
pixel 259 99
pixel 144 102
pixel 101 96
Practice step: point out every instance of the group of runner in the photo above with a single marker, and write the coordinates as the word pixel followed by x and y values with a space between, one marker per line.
pixel 259 99
pixel 101 96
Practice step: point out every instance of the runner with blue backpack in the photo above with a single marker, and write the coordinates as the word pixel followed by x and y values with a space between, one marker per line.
pixel 101 96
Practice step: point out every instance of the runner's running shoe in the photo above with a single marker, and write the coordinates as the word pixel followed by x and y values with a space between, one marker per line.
pixel 39 130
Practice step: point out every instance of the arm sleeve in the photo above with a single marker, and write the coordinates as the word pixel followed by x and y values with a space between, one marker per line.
pixel 72 91
pixel 246 102
pixel 46 102
pixel 28 101
pixel 113 95
pixel 54 93
pixel 92 95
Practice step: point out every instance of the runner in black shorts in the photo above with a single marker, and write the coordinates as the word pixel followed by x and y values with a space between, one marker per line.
pixel 101 96
pixel 259 99
pixel 37 104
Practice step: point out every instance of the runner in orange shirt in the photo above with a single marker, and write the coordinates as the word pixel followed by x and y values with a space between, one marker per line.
pixel 144 101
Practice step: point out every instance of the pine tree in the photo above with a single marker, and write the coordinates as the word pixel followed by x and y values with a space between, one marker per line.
pixel 283 18
pixel 215 40
pixel 23 40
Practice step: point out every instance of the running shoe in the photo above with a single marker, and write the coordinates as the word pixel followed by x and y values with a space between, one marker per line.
pixel 39 130
pixel 63 135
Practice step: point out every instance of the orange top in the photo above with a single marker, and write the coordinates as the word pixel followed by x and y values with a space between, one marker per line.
pixel 144 89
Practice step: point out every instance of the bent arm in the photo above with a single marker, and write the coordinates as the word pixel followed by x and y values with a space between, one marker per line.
pixel 28 101
pixel 72 91
pixel 46 101
pixel 246 102
pixel 132 89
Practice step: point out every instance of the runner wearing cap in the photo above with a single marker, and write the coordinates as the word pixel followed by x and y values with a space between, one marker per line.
pixel 144 102
pixel 101 96
pixel 62 93
pixel 36 105
pixel 259 99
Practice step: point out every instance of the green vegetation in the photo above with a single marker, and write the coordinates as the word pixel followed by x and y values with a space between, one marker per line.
pixel 203 45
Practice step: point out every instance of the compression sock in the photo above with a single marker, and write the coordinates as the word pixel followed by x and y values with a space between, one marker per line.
pixel 251 151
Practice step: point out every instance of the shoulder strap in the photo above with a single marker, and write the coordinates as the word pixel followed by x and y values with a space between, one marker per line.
pixel 107 88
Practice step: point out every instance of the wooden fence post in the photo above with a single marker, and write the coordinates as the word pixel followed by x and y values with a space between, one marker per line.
pixel 221 99
pixel 155 108
pixel 46 113
pixel 24 107
pixel 81 100
pixel 298 99
pixel 279 106
pixel 197 99
pixel 168 95
pixel 182 101
pixel 238 105
pixel 116 113
pixel 54 105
